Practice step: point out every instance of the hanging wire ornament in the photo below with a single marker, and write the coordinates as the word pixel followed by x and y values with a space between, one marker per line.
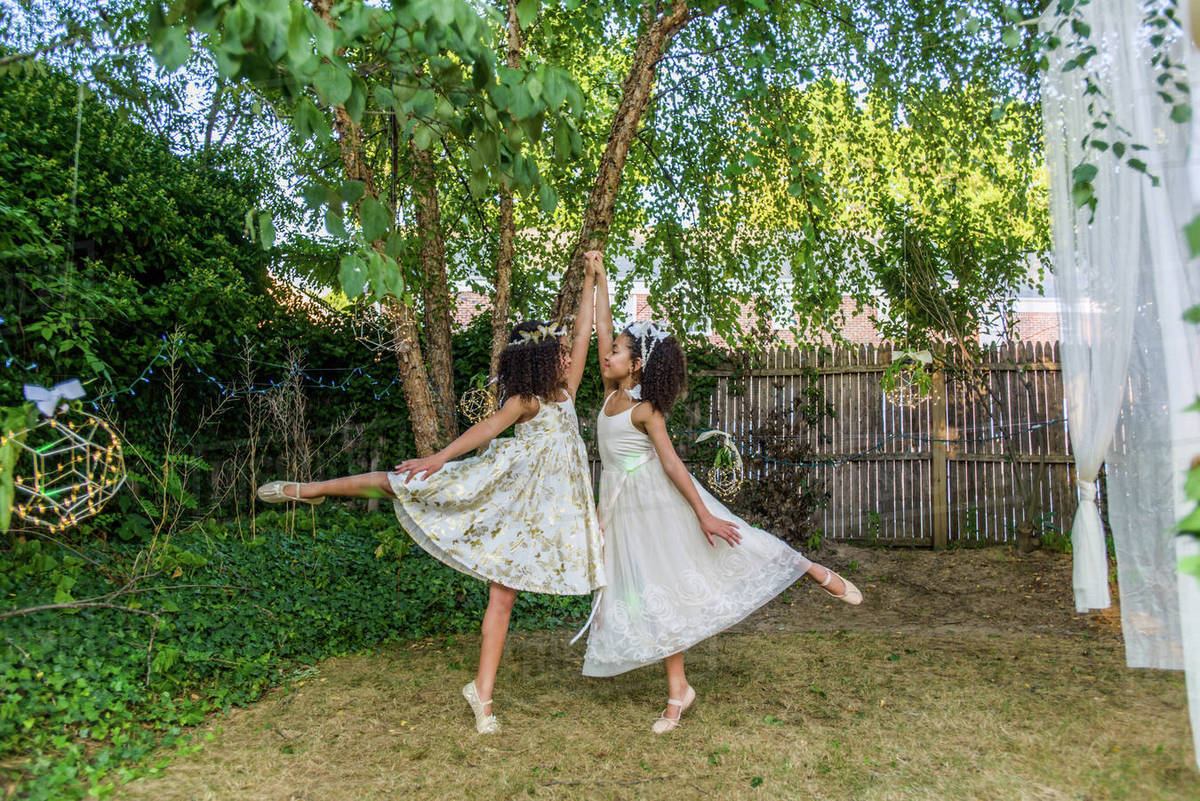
pixel 726 476
pixel 903 384
pixel 68 466
pixel 374 326
pixel 480 401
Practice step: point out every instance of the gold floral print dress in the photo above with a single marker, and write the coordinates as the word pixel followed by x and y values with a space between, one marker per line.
pixel 521 514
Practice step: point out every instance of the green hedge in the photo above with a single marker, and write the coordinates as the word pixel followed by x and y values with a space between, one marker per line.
pixel 75 698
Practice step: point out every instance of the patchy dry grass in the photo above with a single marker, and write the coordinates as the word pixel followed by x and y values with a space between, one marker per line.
pixel 1042 711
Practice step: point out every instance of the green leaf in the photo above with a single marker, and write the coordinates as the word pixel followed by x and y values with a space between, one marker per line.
pixel 554 87
pixel 321 31
pixel 478 184
pixel 1118 149
pixel 299 45
pixel 1181 113
pixel 352 275
pixel 1190 565
pixel 1011 37
pixel 443 12
pixel 1082 194
pixel 1192 486
pixel 356 103
pixel 424 136
pixel 351 191
pixel 562 141
pixel 527 11
pixel 393 278
pixel 309 120
pixel 488 145
pixel 266 230
pixel 421 104
pixel 547 197
pixel 376 220
pixel 384 97
pixel 1084 173
pixel 481 73
pixel 334 223
pixel 1137 164
pixel 1191 522
pixel 172 48
pixel 1192 230
pixel 333 84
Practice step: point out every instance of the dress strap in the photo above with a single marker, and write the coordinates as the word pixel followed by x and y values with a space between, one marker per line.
pixel 604 406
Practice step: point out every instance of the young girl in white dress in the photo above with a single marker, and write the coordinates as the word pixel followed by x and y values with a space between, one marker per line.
pixel 680 566
pixel 520 515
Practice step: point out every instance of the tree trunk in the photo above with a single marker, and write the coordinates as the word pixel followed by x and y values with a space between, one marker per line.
pixel 414 379
pixel 435 293
pixel 502 297
pixel 635 96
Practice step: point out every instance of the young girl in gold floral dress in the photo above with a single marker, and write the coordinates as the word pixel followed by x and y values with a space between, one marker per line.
pixel 520 516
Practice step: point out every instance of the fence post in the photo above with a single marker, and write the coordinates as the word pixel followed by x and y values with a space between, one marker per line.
pixel 939 468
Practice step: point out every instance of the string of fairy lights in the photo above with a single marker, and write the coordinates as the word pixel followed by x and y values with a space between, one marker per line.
pixel 77 467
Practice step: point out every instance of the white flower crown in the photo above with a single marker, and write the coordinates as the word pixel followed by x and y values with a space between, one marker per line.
pixel 648 334
pixel 540 334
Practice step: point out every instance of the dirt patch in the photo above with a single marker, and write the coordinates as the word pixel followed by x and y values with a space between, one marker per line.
pixel 965 675
pixel 969 591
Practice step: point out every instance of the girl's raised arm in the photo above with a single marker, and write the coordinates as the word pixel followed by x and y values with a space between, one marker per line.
pixel 474 437
pixel 583 322
pixel 604 323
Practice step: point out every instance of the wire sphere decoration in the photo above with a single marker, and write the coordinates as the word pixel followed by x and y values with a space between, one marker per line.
pixel 906 382
pixel 727 475
pixel 905 392
pixel 374 327
pixel 725 482
pixel 478 403
pixel 67 467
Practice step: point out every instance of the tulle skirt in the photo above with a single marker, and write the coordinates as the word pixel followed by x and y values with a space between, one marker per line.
pixel 668 589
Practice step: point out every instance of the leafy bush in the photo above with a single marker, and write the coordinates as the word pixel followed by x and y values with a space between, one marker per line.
pixel 783 492
pixel 89 691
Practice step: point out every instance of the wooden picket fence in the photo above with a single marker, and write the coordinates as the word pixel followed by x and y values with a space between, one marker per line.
pixel 933 474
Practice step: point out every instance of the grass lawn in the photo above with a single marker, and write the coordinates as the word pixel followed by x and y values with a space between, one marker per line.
pixel 929 691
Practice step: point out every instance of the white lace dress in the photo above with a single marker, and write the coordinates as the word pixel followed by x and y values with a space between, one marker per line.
pixel 520 514
pixel 668 589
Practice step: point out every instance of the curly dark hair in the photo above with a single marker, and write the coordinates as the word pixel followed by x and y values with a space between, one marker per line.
pixel 531 369
pixel 664 374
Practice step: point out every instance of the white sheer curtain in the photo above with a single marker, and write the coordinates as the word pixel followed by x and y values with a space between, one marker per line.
pixel 1096 280
pixel 1130 364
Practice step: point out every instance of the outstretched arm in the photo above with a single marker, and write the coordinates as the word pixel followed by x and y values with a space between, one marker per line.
pixel 583 322
pixel 712 526
pixel 474 437
pixel 604 323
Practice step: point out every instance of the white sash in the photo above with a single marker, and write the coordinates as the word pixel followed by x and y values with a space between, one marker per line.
pixel 605 518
